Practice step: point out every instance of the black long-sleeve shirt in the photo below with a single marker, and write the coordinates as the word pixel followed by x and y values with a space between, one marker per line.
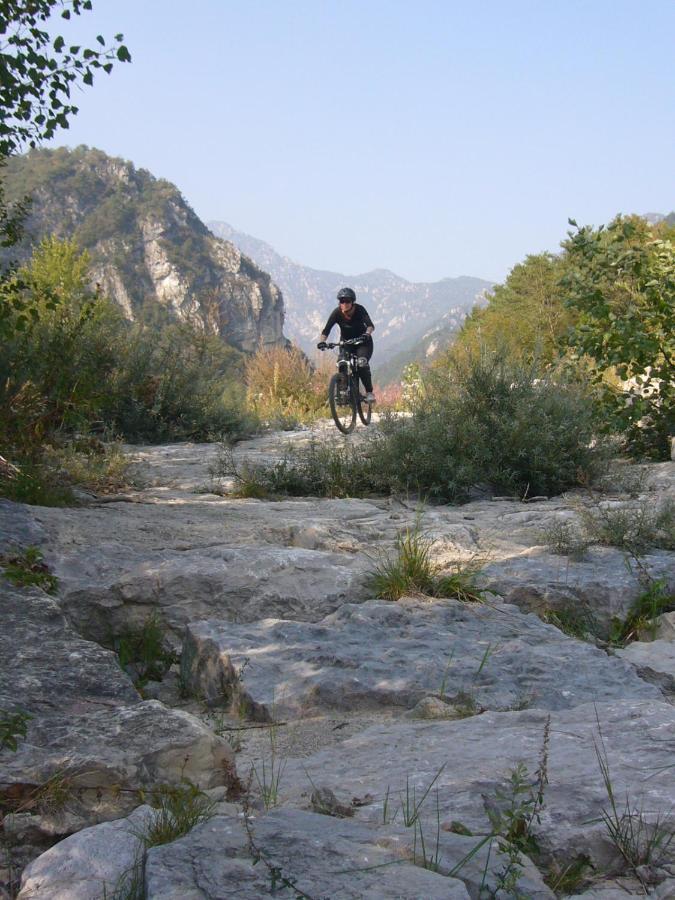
pixel 349 328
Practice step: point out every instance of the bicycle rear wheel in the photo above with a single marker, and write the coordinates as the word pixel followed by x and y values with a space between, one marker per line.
pixel 365 410
pixel 342 400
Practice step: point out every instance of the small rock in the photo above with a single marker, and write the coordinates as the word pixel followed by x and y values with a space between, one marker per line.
pixel 324 801
pixel 432 708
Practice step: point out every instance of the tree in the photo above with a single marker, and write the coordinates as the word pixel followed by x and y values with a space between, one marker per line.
pixel 525 316
pixel 621 283
pixel 37 72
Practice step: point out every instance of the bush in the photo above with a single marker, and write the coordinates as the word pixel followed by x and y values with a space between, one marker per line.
pixel 482 423
pixel 176 383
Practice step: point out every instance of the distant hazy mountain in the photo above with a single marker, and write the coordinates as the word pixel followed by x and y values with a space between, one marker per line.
pixel 403 311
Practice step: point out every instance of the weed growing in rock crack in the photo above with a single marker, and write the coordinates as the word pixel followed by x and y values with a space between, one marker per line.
pixel 410 805
pixel 278 878
pixel 270 772
pixel 575 620
pixel 178 808
pixel 411 570
pixel 568 878
pixel 13 725
pixel 130 885
pixel 28 569
pixel 53 795
pixel 652 602
pixel 638 841
pixel 431 860
pixel 512 812
pixel 143 653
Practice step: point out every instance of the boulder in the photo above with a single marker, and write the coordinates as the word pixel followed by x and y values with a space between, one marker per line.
pixel 96 862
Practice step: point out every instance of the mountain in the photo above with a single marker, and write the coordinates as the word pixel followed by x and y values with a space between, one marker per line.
pixel 403 311
pixel 150 252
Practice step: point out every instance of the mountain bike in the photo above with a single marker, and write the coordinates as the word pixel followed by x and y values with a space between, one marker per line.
pixel 344 389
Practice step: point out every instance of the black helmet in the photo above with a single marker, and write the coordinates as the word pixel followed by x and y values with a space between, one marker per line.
pixel 346 294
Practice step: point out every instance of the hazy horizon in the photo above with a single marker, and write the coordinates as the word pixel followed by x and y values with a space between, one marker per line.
pixel 435 142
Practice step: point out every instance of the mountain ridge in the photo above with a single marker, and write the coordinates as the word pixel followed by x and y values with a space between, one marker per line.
pixel 149 251
pixel 403 311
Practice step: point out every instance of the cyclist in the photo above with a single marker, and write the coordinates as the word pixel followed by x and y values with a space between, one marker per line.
pixel 354 321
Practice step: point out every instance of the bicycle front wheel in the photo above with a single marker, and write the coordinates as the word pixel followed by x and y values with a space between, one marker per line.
pixel 365 410
pixel 342 400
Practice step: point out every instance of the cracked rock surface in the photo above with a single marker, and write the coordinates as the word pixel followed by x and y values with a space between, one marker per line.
pixel 381 702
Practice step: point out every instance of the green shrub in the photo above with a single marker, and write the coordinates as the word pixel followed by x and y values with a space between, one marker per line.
pixel 481 423
pixel 652 602
pixel 28 569
pixel 634 527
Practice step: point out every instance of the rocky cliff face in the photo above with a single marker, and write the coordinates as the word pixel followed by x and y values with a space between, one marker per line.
pixel 148 247
pixel 403 311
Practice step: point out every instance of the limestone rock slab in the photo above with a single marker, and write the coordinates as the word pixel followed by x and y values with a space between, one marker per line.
pixel 394 654
pixel 322 856
pixel 123 749
pixel 117 585
pixel 472 760
pixel 601 582
pixel 46 667
pixel 654 660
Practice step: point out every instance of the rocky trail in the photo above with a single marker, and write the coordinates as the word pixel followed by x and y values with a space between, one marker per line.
pixel 351 747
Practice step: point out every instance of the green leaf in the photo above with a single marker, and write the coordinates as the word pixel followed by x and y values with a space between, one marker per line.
pixel 58 44
pixel 100 39
pixel 123 54
pixel 88 78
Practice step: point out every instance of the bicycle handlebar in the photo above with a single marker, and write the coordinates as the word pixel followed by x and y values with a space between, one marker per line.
pixel 353 342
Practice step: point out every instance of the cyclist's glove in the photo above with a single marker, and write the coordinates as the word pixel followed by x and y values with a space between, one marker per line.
pixel 321 345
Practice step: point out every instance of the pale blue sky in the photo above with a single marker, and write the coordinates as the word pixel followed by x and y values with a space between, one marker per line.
pixel 434 139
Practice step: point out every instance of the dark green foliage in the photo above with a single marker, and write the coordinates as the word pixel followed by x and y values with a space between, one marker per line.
pixel 652 602
pixel 39 71
pixel 77 361
pixel 28 569
pixel 176 383
pixel 620 282
pixel 13 725
pixel 143 652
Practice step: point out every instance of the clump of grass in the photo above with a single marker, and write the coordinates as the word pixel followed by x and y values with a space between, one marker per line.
pixel 28 569
pixel 565 538
pixel 652 602
pixel 13 725
pixel 639 842
pixel 143 651
pixel 178 808
pixel 411 569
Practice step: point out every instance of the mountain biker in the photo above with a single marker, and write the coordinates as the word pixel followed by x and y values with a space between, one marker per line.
pixel 353 321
